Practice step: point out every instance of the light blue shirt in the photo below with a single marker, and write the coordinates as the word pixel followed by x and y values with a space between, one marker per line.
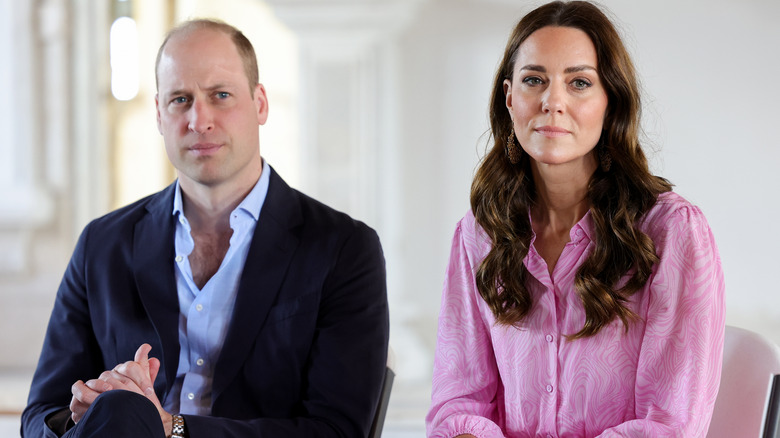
pixel 204 314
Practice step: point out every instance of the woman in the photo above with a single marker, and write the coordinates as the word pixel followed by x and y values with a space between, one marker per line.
pixel 583 298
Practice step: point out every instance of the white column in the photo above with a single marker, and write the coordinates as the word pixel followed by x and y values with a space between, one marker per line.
pixel 25 203
pixel 53 171
pixel 349 115
pixel 91 124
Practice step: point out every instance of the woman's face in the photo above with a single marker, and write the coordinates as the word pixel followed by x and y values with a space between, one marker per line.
pixel 555 98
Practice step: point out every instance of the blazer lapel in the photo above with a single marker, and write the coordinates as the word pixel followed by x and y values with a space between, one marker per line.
pixel 153 268
pixel 272 248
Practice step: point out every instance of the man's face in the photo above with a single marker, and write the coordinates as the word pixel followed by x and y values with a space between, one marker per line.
pixel 206 112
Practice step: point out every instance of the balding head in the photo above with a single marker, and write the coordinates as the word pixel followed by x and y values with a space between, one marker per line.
pixel 243 46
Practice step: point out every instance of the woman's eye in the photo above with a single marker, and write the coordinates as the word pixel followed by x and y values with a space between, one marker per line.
pixel 532 80
pixel 580 84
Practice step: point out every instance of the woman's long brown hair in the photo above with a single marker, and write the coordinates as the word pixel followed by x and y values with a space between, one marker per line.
pixel 502 193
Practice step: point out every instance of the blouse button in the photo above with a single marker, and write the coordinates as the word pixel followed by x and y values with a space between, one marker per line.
pixel 549 338
pixel 549 388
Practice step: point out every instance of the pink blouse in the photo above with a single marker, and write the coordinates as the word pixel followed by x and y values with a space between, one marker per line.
pixel 658 380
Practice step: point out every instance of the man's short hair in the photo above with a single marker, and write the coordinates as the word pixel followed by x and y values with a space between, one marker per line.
pixel 242 43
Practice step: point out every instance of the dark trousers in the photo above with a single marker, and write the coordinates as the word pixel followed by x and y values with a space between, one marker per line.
pixel 119 414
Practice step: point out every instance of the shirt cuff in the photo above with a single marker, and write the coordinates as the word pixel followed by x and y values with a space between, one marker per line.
pixel 455 425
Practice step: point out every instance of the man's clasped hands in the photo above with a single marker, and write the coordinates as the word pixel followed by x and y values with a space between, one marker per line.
pixel 137 375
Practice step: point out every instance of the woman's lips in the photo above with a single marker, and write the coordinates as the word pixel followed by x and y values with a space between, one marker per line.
pixel 552 131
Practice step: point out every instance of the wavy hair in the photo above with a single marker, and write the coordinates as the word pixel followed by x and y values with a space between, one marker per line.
pixel 502 193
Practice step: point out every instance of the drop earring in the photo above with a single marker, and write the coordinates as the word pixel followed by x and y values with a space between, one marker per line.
pixel 512 151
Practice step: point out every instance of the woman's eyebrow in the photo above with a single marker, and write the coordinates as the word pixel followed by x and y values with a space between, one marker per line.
pixel 542 69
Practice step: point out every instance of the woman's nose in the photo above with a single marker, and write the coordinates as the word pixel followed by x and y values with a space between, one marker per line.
pixel 554 100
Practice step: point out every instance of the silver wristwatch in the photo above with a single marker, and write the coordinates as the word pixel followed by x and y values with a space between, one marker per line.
pixel 178 427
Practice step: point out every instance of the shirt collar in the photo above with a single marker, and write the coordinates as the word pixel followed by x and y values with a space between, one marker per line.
pixel 252 203
pixel 585 224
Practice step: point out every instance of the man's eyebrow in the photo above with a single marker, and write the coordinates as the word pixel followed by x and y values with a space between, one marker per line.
pixel 176 92
pixel 220 86
pixel 187 92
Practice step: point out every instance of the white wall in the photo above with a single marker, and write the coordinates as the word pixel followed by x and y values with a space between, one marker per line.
pixel 709 69
pixel 710 72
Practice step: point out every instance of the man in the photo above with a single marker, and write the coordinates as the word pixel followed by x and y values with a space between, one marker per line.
pixel 264 311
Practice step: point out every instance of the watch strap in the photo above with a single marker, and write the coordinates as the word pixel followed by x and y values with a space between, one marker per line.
pixel 178 430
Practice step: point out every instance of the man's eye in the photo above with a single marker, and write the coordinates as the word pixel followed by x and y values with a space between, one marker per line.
pixel 223 95
pixel 179 100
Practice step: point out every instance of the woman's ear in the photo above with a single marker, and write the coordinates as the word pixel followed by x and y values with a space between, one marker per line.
pixel 508 93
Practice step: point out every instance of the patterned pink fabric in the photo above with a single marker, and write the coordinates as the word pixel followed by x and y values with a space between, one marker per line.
pixel 658 380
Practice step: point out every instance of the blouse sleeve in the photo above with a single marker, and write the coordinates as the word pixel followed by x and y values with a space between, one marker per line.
pixel 679 367
pixel 465 376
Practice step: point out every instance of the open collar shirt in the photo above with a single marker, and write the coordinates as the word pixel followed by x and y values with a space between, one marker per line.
pixel 204 314
pixel 659 379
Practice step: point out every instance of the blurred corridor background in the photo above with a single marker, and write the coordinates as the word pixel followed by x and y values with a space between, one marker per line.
pixel 378 108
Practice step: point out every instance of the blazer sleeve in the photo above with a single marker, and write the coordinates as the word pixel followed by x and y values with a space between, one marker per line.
pixel 346 362
pixel 70 350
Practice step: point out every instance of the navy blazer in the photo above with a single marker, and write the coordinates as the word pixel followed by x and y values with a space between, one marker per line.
pixel 306 348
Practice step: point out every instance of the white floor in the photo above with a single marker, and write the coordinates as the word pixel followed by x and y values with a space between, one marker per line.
pixel 14 385
pixel 9 426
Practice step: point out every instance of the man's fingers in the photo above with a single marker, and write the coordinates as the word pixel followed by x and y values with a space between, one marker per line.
pixel 86 393
pixel 142 355
pixel 98 385
pixel 154 368
pixel 120 381
pixel 77 410
pixel 83 396
pixel 132 372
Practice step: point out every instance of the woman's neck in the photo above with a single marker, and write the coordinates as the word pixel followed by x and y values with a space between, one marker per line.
pixel 561 195
pixel 561 201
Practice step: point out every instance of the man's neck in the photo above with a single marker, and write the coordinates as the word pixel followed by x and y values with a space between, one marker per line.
pixel 208 208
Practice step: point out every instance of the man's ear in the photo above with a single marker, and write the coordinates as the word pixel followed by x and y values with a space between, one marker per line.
pixel 157 109
pixel 261 103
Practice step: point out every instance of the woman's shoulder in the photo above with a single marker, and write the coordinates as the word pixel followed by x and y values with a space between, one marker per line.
pixel 472 234
pixel 672 211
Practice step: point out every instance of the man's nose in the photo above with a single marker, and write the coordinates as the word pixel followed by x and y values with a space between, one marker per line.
pixel 201 117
